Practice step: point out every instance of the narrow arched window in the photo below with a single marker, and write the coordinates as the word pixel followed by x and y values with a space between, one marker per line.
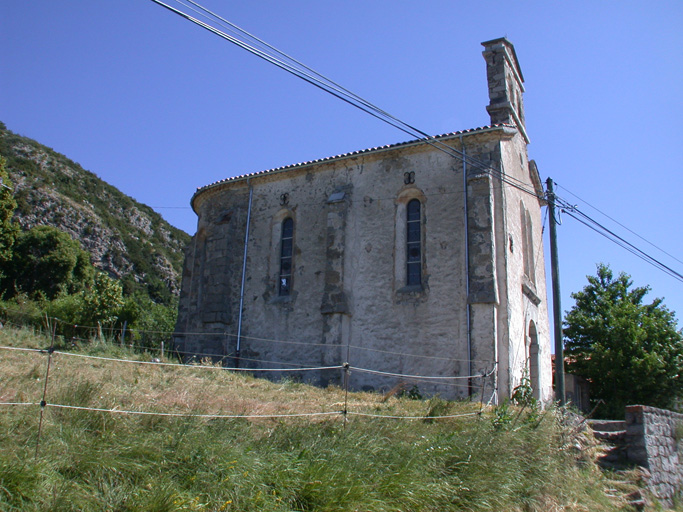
pixel 286 246
pixel 534 360
pixel 414 243
pixel 528 244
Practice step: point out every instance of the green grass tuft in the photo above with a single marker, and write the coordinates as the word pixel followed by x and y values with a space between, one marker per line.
pixel 94 461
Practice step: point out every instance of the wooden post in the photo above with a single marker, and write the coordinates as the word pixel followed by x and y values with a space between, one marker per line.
pixel 557 308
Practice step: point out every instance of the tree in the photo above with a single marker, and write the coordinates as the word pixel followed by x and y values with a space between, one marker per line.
pixel 149 323
pixel 8 228
pixel 46 262
pixel 631 352
pixel 102 304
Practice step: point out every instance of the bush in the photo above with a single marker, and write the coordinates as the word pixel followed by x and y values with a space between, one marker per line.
pixel 149 323
pixel 47 262
pixel 20 311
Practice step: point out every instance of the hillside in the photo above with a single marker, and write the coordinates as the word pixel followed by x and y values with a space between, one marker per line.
pixel 121 433
pixel 127 239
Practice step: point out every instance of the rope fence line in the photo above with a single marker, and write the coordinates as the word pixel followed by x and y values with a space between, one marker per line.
pixel 23 349
pixel 345 413
pixel 196 366
pixel 472 386
pixel 297 366
pixel 420 377
pixel 426 417
pixel 176 334
pixel 423 378
pixel 244 416
pixel 406 354
pixel 192 415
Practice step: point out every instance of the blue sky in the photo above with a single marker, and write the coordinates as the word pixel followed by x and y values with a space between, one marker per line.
pixel 158 107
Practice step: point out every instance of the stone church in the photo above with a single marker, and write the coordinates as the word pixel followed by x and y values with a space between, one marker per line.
pixel 418 264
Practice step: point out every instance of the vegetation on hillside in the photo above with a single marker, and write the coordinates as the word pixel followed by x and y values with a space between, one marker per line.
pixel 127 239
pixel 630 351
pixel 507 458
pixel 45 274
pixel 46 260
pixel 8 228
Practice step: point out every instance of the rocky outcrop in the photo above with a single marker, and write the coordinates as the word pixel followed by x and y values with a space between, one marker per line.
pixel 126 239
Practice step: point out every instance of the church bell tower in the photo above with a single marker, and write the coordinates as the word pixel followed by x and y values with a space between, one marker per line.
pixel 506 84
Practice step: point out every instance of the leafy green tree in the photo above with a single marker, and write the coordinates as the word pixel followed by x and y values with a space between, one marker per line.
pixel 47 262
pixel 149 323
pixel 630 351
pixel 69 310
pixel 8 228
pixel 104 301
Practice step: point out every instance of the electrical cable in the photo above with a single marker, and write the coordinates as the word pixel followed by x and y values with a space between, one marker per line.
pixel 591 223
pixel 416 132
pixel 620 224
pixel 337 91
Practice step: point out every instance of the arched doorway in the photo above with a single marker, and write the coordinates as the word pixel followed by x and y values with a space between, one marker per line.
pixel 534 364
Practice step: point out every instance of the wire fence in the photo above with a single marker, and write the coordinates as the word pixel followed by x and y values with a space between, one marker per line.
pixel 342 409
pixel 76 334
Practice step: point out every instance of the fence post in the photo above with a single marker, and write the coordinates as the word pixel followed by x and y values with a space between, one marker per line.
pixel 123 332
pixel 43 402
pixel 483 389
pixel 346 392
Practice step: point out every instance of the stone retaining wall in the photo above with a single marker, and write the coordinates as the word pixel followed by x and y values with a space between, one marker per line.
pixel 655 442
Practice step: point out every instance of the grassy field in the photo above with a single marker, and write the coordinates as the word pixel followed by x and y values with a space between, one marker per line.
pixel 498 460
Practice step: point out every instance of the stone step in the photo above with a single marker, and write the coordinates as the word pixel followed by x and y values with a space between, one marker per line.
pixel 611 436
pixel 614 459
pixel 636 500
pixel 625 487
pixel 607 425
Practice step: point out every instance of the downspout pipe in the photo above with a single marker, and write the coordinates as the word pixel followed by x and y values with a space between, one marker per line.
pixel 467 269
pixel 244 274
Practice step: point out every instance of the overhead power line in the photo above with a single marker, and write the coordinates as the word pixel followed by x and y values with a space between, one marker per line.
pixel 271 54
pixel 265 51
pixel 589 222
pixel 620 224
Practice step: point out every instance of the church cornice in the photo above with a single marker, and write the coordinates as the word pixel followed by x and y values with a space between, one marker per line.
pixel 504 129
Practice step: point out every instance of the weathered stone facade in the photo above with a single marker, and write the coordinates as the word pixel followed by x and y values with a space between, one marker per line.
pixel 403 259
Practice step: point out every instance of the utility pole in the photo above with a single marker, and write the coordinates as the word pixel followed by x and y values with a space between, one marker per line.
pixel 557 308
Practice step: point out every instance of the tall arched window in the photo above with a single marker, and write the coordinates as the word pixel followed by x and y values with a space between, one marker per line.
pixel 530 248
pixel 414 243
pixel 528 244
pixel 286 246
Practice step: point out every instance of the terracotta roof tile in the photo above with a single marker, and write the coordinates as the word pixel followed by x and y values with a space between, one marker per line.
pixel 346 155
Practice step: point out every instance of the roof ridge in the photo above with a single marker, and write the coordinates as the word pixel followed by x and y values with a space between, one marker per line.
pixel 351 153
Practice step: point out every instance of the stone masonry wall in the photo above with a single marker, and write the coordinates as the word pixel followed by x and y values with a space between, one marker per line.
pixel 471 314
pixel 655 442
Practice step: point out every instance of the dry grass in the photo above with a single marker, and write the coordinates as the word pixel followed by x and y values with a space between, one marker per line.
pixel 103 461
pixel 205 388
